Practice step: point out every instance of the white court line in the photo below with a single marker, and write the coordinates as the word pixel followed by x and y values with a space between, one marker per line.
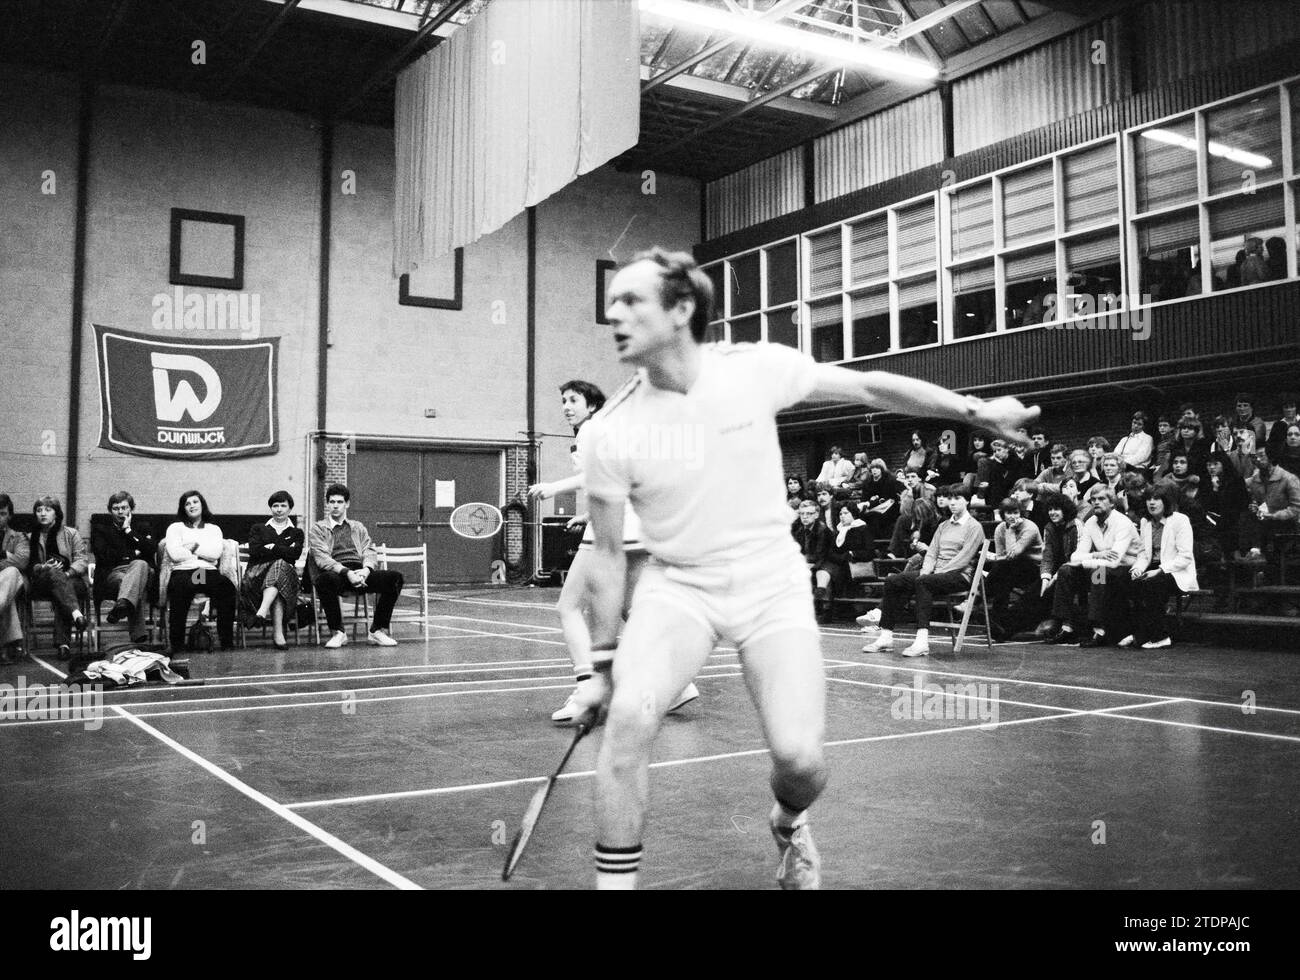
pixel 498 622
pixel 378 670
pixel 433 596
pixel 694 760
pixel 328 839
pixel 1068 687
pixel 507 636
pixel 909 689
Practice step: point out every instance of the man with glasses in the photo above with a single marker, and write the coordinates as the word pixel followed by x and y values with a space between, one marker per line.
pixel 1098 575
pixel 125 554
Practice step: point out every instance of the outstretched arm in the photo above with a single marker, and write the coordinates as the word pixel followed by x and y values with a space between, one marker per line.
pixel 893 392
pixel 548 490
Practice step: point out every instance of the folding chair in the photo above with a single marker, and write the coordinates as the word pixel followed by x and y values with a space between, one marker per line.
pixel 98 596
pixel 26 606
pixel 410 556
pixel 976 591
pixel 360 609
pixel 228 566
pixel 289 614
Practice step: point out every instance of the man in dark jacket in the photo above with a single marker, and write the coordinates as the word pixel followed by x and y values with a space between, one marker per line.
pixel 125 554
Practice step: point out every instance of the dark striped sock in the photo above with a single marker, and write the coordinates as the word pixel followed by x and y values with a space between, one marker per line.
pixel 617 860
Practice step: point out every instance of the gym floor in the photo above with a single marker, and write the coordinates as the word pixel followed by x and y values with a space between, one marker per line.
pixel 1030 766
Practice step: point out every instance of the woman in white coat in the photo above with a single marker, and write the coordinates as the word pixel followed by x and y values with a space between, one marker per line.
pixel 1164 567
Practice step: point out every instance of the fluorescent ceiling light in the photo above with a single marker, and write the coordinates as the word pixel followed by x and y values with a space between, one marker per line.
pixel 764 32
pixel 1243 157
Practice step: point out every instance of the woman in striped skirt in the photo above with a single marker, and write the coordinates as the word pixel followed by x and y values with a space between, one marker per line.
pixel 270 590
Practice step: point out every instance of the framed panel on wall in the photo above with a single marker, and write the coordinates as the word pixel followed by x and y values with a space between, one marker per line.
pixel 207 249
pixel 605 269
pixel 440 286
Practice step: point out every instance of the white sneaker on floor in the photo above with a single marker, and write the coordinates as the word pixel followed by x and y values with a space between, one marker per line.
pixel 917 649
pixel 1158 644
pixel 689 693
pixel 869 619
pixel 571 711
pixel 337 640
pixel 1127 641
pixel 878 645
pixel 380 638
pixel 800 868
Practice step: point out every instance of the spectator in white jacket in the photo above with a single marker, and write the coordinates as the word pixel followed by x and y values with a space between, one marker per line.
pixel 835 470
pixel 1164 567
pixel 194 546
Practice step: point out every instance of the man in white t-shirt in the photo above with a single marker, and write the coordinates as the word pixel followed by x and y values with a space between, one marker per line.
pixel 693 445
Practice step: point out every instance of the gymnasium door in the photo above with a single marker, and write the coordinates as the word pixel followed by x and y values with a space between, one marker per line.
pixel 399 493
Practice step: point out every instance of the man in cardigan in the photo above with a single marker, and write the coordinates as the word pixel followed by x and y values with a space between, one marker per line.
pixel 948 566
pixel 13 559
pixel 125 553
pixel 1099 568
pixel 346 560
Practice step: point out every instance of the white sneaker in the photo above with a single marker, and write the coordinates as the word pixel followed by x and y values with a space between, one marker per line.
pixel 960 609
pixel 917 649
pixel 800 868
pixel 878 645
pixel 337 640
pixel 1127 641
pixel 689 693
pixel 571 711
pixel 869 619
pixel 380 638
pixel 1157 644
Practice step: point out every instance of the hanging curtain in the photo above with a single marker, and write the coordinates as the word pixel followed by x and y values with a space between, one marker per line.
pixel 514 106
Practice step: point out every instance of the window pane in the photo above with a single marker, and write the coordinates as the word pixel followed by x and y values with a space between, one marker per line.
pixel 1245 231
pixel 974 302
pixel 827 319
pixel 783 327
pixel 1244 143
pixel 1031 287
pixel 717 274
pixel 916 239
pixel 744 283
pixel 1091 186
pixel 972 221
pixel 824 261
pixel 746 330
pixel 870 322
pixel 869 249
pixel 1092 265
pixel 918 312
pixel 1165 163
pixel 782 278
pixel 1168 249
pixel 1027 208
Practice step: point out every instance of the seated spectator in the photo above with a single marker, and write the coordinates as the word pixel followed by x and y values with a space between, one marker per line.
pixel 1288 454
pixel 1246 417
pixel 918 456
pixel 1112 477
pixel 1167 434
pixel 795 492
pixel 1055 474
pixel 14 549
pixel 835 470
pixel 812 536
pixel 1276 258
pixel 1180 475
pixel 1136 449
pixel 949 464
pixel 1097 446
pixel 850 543
pixel 880 500
pixel 1133 485
pixel 852 487
pixel 270 588
pixel 125 555
pixel 194 545
pixel 979 442
pixel 1277 434
pixel 1014 564
pixel 915 511
pixel 1190 442
pixel 947 567
pixel 1040 452
pixel 1099 571
pixel 57 563
pixel 828 510
pixel 1019 464
pixel 1028 494
pixel 1231 446
pixel 1164 567
pixel 1060 539
pixel 1274 506
pixel 1221 502
pixel 994 477
pixel 346 561
pixel 1080 482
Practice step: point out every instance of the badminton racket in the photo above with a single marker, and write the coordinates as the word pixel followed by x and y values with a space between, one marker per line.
pixel 538 801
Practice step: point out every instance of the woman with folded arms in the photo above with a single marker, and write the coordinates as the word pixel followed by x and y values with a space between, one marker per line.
pixel 270 590
pixel 194 546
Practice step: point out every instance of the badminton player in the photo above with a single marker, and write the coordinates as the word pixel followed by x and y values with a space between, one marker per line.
pixel 692 445
pixel 579 400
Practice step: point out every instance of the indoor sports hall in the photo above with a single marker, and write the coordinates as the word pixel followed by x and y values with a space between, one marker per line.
pixel 295 294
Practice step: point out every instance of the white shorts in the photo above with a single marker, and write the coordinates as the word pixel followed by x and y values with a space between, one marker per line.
pixel 766 593
pixel 631 533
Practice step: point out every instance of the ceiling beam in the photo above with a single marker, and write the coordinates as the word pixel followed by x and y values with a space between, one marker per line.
pixel 271 29
pixel 395 63
pixel 402 19
pixel 738 93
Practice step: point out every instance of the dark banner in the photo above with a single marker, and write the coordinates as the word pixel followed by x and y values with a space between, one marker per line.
pixel 190 399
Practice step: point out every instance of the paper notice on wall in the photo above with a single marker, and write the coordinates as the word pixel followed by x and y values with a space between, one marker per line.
pixel 444 493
